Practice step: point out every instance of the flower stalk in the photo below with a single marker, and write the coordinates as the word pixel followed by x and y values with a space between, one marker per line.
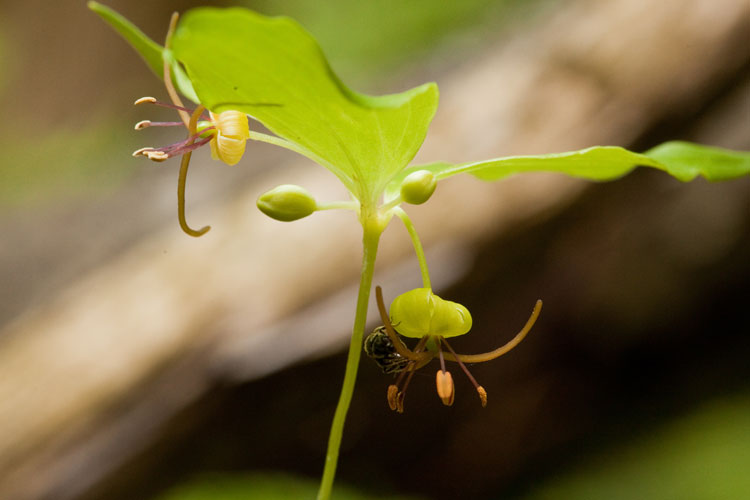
pixel 401 214
pixel 370 240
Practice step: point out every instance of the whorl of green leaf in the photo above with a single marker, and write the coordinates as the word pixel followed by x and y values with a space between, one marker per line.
pixel 274 70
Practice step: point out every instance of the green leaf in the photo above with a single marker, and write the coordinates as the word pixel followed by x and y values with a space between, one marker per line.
pixel 262 486
pixel 149 50
pixel 703 454
pixel 274 70
pixel 152 53
pixel 683 160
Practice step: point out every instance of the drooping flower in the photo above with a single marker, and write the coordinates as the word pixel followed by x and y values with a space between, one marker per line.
pixel 226 132
pixel 421 314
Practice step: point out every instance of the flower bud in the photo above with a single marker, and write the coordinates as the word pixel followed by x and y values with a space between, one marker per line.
pixel 420 312
pixel 287 203
pixel 418 186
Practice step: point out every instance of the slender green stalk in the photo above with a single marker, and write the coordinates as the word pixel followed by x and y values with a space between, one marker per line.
pixel 417 245
pixel 387 206
pixel 371 236
pixel 338 205
pixel 182 177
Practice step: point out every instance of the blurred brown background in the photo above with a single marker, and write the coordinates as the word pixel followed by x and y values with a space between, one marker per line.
pixel 134 358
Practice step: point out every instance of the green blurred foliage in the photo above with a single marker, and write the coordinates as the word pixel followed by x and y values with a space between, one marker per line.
pixel 369 36
pixel 4 59
pixel 62 165
pixel 262 486
pixel 702 456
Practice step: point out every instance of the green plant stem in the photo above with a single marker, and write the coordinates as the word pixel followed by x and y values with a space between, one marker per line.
pixel 388 206
pixel 417 245
pixel 371 236
pixel 338 205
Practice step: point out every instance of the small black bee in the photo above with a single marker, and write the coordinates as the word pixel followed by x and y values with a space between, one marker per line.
pixel 380 348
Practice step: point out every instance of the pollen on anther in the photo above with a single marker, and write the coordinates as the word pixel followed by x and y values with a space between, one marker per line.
pixel 445 388
pixel 156 155
pixel 142 124
pixel 142 100
pixel 142 151
pixel 482 395
pixel 393 396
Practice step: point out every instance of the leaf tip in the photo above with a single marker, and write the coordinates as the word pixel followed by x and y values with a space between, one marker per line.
pixel 95 6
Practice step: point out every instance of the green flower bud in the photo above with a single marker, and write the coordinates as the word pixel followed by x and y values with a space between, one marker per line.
pixel 420 312
pixel 418 187
pixel 287 203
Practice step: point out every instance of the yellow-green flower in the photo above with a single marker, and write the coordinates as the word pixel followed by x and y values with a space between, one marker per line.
pixel 421 314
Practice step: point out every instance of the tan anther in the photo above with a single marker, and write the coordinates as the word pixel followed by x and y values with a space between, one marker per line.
pixel 156 155
pixel 482 395
pixel 142 151
pixel 144 100
pixel 142 124
pixel 445 388
pixel 392 396
pixel 400 402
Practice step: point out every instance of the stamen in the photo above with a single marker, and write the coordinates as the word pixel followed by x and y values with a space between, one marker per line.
pixel 157 155
pixel 142 151
pixel 488 356
pixel 445 388
pixel 396 399
pixel 482 396
pixel 148 123
pixel 144 100
pixel 402 393
pixel 152 100
pixel 479 388
pixel 178 149
pixel 161 154
pixel 440 353
pixel 181 180
pixel 393 396
pixel 169 105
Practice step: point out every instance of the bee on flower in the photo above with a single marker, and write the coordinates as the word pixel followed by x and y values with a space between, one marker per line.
pixel 421 314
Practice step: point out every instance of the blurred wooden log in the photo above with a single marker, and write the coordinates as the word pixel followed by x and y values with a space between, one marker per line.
pixel 92 378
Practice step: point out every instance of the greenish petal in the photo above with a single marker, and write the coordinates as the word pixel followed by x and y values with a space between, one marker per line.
pixel 420 312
